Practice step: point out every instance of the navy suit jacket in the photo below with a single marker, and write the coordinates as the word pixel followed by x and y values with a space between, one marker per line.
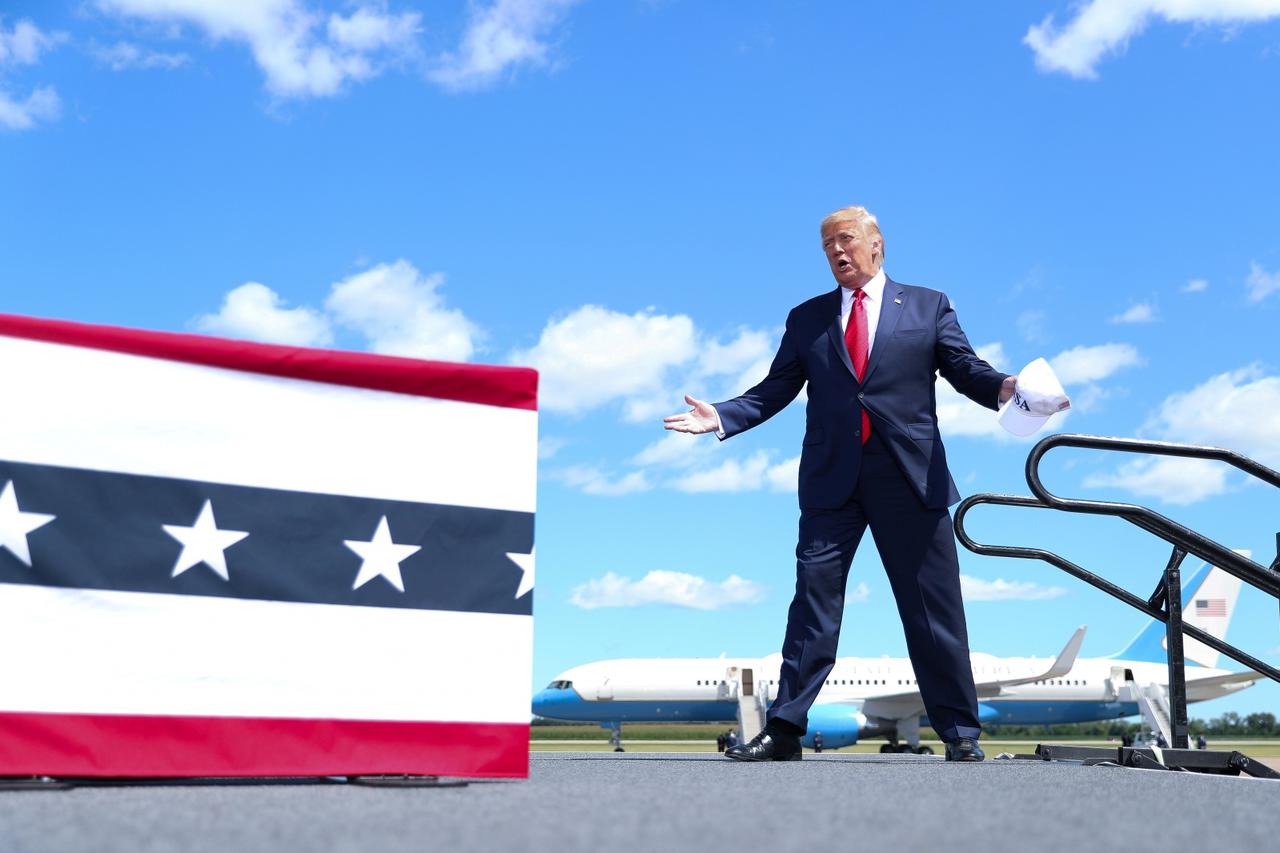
pixel 917 338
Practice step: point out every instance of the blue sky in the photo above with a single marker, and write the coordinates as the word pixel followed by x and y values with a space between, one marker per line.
pixel 627 194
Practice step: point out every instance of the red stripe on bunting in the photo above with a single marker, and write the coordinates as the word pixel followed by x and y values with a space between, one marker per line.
pixel 103 745
pixel 508 387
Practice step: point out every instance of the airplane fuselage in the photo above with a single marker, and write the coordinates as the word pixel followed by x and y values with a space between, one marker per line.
pixel 698 689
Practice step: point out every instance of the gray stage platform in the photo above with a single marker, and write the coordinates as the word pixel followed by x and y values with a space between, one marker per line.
pixel 676 802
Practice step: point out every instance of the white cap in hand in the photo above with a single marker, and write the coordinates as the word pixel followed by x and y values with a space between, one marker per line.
pixel 1038 396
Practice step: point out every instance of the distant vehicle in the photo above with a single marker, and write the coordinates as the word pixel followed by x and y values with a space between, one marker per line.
pixel 878 697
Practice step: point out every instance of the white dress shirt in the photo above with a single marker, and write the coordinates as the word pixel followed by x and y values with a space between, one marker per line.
pixel 872 302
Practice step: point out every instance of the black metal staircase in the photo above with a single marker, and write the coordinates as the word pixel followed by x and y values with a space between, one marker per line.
pixel 1165 603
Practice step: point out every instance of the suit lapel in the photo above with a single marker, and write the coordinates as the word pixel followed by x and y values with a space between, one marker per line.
pixel 890 311
pixel 836 333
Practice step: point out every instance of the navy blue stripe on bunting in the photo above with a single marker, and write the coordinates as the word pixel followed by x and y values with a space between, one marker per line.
pixel 108 533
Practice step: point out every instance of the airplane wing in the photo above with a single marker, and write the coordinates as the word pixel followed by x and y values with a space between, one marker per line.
pixel 898 706
pixel 1220 680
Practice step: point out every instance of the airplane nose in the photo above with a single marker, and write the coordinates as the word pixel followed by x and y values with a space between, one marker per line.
pixel 561 704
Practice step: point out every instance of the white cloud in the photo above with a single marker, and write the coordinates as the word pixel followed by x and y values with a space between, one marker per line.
pixel 397 309
pixel 594 356
pixel 42 104
pixel 1089 397
pixel 1101 27
pixel 785 476
pixel 644 362
pixel 665 587
pixel 549 446
pixel 958 415
pixel 501 35
pixel 977 589
pixel 299 56
pixel 676 448
pixel 24 44
pixel 125 55
pixel 1239 410
pixel 1171 479
pixel 690 462
pixel 1142 312
pixel 715 371
pixel 401 312
pixel 368 29
pixel 1261 283
pixel 1030 325
pixel 742 475
pixel 1091 364
pixel 732 475
pixel 256 312
pixel 1195 285
pixel 590 480
pixel 746 358
pixel 1079 366
pixel 859 594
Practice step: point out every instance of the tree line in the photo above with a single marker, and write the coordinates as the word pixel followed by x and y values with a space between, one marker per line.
pixel 1230 724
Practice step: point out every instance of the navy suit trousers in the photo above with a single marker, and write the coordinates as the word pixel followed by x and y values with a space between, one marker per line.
pixel 918 549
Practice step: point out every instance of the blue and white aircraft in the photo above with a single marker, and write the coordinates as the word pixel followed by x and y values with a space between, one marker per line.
pixel 878 697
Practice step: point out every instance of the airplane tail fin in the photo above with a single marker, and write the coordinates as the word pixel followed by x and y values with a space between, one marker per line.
pixel 1210 609
pixel 1208 600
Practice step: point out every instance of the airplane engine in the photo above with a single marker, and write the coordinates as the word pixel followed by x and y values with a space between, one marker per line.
pixel 838 723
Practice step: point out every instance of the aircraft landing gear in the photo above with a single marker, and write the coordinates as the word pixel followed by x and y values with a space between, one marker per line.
pixel 615 736
pixel 894 746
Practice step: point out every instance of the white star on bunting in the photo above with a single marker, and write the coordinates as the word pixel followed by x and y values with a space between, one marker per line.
pixel 16 524
pixel 381 556
pixel 525 562
pixel 203 542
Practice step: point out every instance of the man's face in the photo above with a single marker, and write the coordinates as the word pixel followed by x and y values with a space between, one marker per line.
pixel 854 257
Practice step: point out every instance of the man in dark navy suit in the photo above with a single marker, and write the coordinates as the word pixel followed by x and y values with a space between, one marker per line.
pixel 870 352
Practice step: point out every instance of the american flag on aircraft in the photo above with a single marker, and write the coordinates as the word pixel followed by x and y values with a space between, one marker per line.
pixel 224 558
pixel 1211 607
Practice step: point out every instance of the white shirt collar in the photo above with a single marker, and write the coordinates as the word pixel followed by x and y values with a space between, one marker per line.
pixel 874 290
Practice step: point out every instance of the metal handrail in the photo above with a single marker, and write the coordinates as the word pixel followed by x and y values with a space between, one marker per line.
pixel 1153 522
pixel 1089 577
pixel 1165 603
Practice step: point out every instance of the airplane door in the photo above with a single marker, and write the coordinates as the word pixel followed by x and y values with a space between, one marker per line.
pixel 605 690
pixel 748 683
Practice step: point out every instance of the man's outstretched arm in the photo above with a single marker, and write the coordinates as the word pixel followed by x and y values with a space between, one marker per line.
pixel 961 366
pixel 754 406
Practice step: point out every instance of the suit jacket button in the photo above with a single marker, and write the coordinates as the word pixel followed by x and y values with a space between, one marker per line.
pixel 861 395
pixel 857 432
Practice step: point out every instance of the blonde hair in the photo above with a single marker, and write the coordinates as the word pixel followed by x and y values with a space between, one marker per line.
pixel 860 216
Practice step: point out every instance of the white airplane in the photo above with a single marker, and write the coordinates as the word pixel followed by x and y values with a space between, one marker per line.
pixel 878 697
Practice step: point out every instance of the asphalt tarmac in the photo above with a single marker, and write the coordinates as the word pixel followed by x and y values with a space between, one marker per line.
pixel 671 803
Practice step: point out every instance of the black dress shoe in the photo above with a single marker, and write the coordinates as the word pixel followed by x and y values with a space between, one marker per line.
pixel 964 749
pixel 767 746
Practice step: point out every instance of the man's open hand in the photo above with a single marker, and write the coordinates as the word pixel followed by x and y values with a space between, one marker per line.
pixel 701 418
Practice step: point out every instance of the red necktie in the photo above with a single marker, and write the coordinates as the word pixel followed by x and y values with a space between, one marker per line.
pixel 855 339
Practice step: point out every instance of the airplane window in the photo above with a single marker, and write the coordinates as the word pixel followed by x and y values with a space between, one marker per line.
pixel 560 685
